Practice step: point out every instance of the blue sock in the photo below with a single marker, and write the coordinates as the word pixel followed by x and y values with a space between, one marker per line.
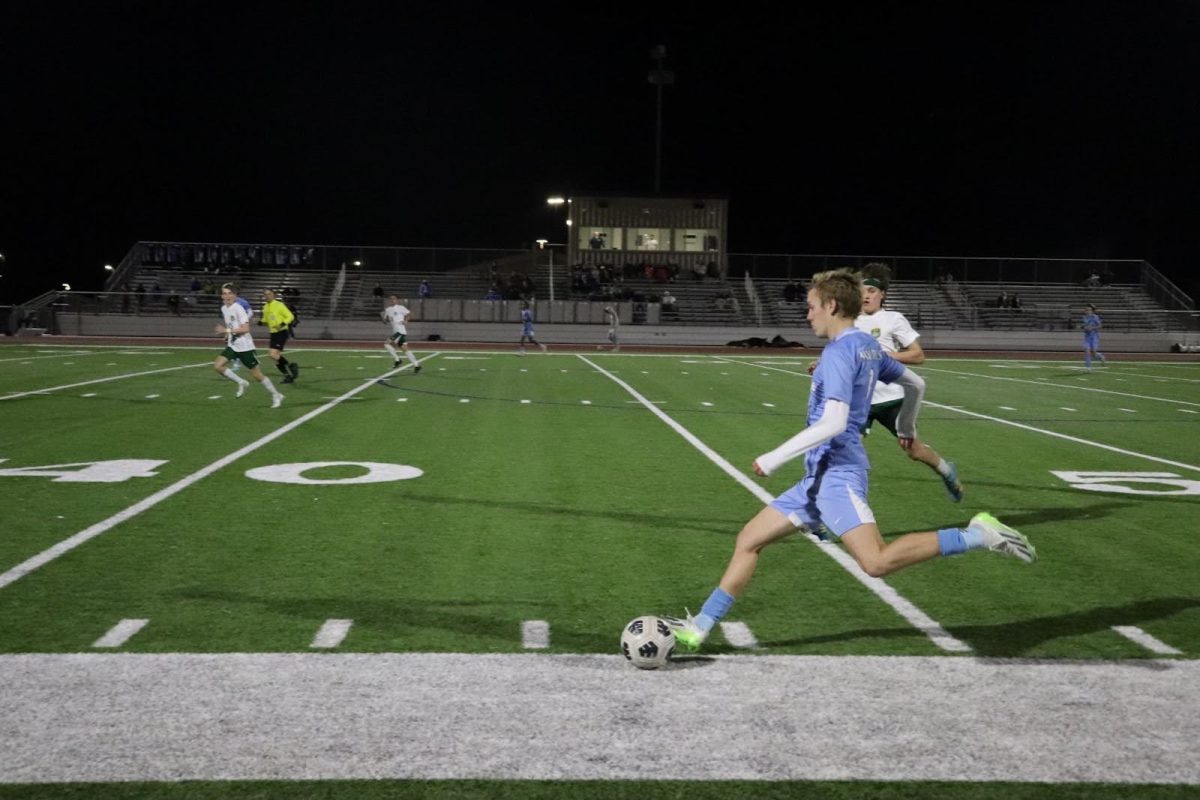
pixel 952 541
pixel 1087 360
pixel 716 606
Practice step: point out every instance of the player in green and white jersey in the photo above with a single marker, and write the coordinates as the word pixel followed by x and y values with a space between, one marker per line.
pixel 239 346
pixel 898 339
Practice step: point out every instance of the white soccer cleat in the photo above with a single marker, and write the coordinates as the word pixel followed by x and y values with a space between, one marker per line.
pixel 999 538
pixel 241 390
pixel 687 633
pixel 277 401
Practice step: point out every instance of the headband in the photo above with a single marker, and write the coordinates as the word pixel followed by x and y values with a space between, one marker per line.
pixel 876 282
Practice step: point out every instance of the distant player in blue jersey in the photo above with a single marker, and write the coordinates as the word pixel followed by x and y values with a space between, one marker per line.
pixel 834 489
pixel 527 328
pixel 1091 337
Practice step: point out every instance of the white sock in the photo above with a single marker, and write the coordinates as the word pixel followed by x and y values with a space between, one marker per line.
pixel 943 468
pixel 228 373
pixel 392 350
pixel 411 358
pixel 269 386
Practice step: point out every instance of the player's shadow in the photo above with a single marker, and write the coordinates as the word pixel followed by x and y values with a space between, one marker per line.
pixel 1033 516
pixel 1016 639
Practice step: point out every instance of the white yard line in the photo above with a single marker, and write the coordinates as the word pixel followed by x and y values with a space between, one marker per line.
pixel 95 717
pixel 1076 387
pixel 1023 426
pixel 331 634
pixel 120 633
pixel 102 380
pixel 38 358
pixel 535 634
pixel 739 635
pixel 66 545
pixel 1064 436
pixel 901 605
pixel 1151 643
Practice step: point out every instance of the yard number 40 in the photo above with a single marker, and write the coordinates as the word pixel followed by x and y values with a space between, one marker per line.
pixel 114 471
pixel 1115 482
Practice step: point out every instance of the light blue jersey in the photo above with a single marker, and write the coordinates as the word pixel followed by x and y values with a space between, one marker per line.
pixel 847 371
pixel 526 322
pixel 1091 323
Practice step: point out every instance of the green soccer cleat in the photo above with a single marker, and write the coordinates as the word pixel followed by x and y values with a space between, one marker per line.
pixel 953 487
pixel 688 635
pixel 999 538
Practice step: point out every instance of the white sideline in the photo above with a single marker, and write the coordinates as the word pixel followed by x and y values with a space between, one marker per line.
pixel 66 545
pixel 91 717
pixel 901 605
pixel 102 380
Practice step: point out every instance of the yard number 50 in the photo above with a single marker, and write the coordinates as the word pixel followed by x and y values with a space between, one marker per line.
pixel 1114 482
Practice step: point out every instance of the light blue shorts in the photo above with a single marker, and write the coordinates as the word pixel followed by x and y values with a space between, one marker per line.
pixel 1091 341
pixel 837 499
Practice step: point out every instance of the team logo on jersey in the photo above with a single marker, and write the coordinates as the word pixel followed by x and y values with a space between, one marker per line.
pixel 876 331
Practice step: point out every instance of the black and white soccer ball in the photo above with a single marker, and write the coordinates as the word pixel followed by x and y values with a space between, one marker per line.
pixel 647 642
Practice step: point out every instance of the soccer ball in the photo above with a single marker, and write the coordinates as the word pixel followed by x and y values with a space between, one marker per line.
pixel 647 642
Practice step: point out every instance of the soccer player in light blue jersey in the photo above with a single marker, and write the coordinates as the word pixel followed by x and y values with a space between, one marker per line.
pixel 834 489
pixel 527 329
pixel 1091 337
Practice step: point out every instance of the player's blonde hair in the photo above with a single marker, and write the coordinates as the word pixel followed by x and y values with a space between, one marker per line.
pixel 842 286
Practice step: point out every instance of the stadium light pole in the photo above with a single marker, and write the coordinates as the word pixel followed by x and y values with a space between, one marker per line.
pixel 558 201
pixel 659 77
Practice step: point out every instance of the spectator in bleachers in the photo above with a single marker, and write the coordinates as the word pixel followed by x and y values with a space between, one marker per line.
pixel 493 293
pixel 377 292
pixel 1002 301
pixel 791 292
pixel 669 302
pixel 698 271
pixel 1093 280
pixel 1015 302
pixel 425 290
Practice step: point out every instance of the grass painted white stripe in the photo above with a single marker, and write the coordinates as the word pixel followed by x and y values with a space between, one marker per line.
pixel 1151 643
pixel 120 633
pixel 535 634
pixel 67 545
pixel 739 635
pixel 332 633
pixel 102 380
pixel 901 605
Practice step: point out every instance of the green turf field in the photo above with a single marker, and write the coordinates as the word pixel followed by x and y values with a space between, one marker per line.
pixel 542 488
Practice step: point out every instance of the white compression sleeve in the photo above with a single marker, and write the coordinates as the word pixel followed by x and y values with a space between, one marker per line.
pixel 832 422
pixel 914 393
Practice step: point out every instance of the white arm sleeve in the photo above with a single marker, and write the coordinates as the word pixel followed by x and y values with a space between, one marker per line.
pixel 832 422
pixel 914 393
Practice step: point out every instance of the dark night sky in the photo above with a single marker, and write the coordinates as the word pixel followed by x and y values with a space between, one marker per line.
pixel 1040 129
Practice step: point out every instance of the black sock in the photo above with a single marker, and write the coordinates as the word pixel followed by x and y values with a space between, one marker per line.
pixel 281 365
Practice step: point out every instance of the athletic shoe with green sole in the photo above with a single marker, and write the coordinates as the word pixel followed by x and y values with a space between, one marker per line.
pixel 953 487
pixel 999 538
pixel 688 635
